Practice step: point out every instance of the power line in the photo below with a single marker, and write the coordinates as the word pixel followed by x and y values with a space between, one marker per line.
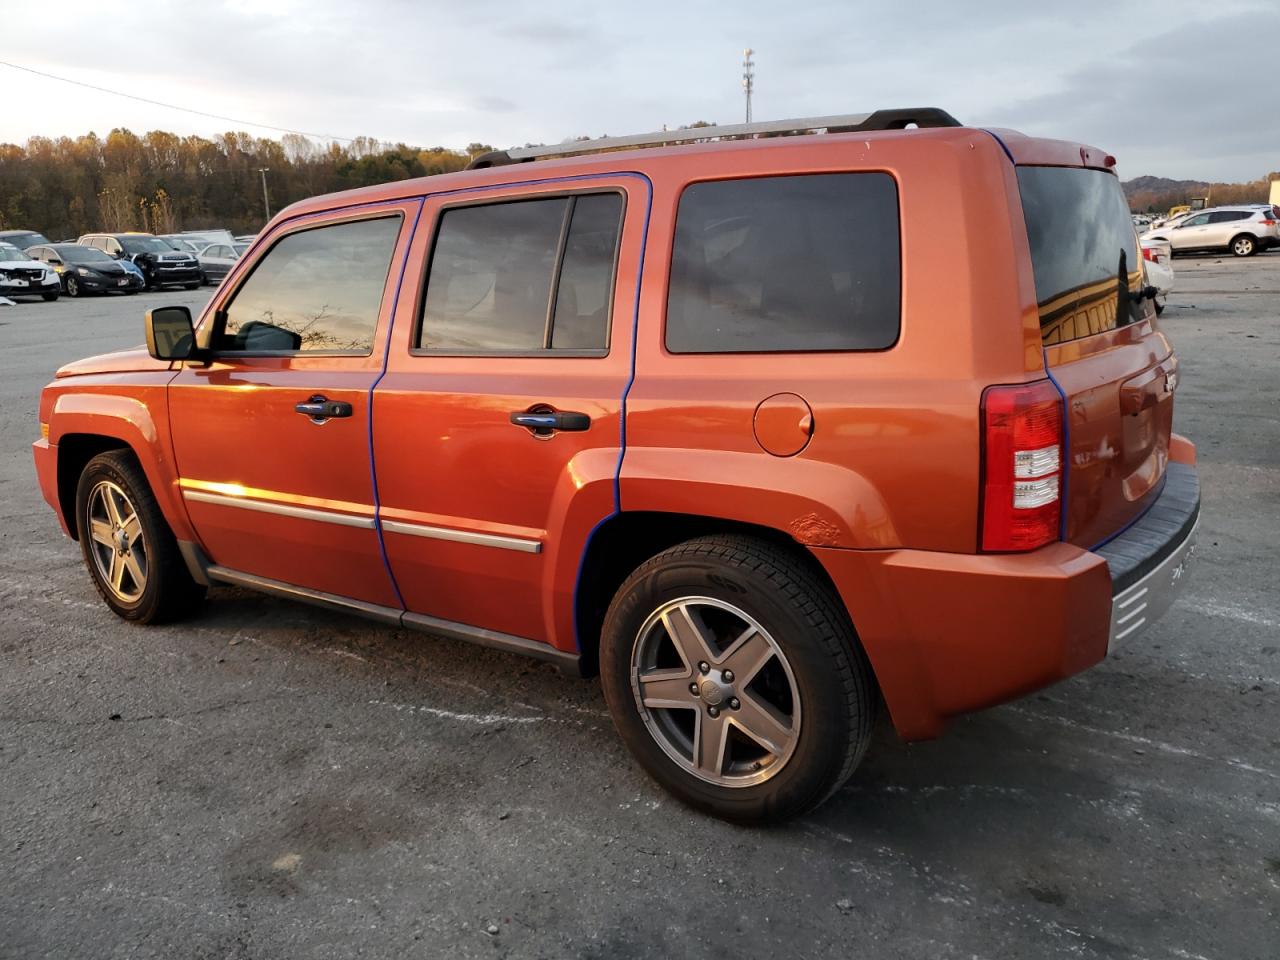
pixel 172 106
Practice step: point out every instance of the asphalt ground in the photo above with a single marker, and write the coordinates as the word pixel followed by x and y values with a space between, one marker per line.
pixel 269 780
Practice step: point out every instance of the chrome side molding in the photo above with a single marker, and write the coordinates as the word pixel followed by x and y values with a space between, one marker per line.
pixel 568 663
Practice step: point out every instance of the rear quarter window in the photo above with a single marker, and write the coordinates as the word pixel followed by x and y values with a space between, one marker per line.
pixel 1083 250
pixel 786 264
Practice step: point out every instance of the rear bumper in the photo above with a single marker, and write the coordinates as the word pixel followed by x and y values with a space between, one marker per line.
pixel 951 633
pixel 1150 560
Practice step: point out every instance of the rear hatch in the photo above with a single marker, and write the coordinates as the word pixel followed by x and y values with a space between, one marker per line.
pixel 1115 370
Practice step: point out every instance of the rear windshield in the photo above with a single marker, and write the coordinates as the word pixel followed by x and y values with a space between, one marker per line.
pixel 74 253
pixel 1083 251
pixel 24 240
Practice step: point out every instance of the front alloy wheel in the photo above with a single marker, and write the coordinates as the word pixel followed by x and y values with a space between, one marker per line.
pixel 73 286
pixel 1243 246
pixel 128 547
pixel 118 547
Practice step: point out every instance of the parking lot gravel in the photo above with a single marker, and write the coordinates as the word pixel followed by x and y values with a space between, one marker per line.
pixel 269 780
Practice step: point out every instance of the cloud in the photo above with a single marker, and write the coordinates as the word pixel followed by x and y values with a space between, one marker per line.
pixel 1181 90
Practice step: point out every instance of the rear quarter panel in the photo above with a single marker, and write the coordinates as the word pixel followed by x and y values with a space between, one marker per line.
pixel 894 454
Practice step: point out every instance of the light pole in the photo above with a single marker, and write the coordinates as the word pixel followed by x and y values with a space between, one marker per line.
pixel 748 78
pixel 266 204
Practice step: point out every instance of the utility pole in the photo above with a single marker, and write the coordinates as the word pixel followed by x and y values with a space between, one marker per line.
pixel 748 78
pixel 266 204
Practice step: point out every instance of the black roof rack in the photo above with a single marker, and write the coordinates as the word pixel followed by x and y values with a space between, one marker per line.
pixel 896 119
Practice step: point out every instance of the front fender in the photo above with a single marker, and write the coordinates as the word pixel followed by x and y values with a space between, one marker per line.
pixel 136 415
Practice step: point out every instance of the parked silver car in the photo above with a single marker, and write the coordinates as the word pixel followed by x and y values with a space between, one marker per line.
pixel 1243 229
pixel 217 259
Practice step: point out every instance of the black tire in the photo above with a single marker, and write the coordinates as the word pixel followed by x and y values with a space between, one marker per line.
pixel 169 592
pixel 1245 245
pixel 1159 307
pixel 789 599
pixel 73 286
pixel 50 297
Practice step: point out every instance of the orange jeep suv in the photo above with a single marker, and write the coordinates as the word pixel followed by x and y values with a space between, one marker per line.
pixel 767 424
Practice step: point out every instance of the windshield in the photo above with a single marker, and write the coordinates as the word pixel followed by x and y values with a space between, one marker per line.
pixel 134 245
pixel 9 252
pixel 74 253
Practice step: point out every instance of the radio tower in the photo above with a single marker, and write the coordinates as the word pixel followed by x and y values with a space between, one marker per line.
pixel 748 78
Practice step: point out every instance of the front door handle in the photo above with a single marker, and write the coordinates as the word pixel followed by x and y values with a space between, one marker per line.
pixel 545 422
pixel 320 409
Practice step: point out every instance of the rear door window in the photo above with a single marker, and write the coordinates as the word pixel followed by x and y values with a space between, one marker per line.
pixel 786 264
pixel 1083 251
pixel 1228 216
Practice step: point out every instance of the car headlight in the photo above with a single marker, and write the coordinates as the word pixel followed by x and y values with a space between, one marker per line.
pixel 82 271
pixel 50 275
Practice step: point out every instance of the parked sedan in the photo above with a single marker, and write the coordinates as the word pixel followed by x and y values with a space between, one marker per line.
pixel 23 276
pixel 217 259
pixel 86 270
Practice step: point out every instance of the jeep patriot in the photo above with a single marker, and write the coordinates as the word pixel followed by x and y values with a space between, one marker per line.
pixel 767 425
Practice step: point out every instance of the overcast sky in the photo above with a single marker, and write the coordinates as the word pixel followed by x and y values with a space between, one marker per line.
pixel 1178 88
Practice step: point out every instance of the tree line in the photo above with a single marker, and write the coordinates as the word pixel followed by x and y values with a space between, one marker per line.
pixel 163 183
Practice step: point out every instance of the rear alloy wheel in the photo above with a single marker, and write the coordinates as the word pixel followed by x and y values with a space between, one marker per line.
pixel 128 547
pixel 73 287
pixel 734 676
pixel 1244 246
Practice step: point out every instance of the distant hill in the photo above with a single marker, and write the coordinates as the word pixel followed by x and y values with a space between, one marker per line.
pixel 1161 185
pixel 1158 194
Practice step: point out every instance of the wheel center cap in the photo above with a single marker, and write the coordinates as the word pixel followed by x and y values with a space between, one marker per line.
pixel 714 692
pixel 122 541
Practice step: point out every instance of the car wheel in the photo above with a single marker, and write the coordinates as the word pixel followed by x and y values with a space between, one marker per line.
pixel 50 297
pixel 735 678
pixel 128 547
pixel 73 287
pixel 1244 245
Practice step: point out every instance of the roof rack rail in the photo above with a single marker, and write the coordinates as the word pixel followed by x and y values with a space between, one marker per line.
pixel 896 119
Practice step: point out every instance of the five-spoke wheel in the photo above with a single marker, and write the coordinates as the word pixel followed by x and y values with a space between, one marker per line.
pixel 128 547
pixel 119 549
pixel 733 674
pixel 715 691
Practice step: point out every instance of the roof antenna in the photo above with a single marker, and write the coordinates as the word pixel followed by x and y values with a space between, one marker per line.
pixel 748 78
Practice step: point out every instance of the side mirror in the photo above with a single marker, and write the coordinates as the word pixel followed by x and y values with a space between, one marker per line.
pixel 170 334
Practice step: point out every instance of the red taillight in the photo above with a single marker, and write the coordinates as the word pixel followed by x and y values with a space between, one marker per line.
pixel 1149 254
pixel 1270 223
pixel 1021 466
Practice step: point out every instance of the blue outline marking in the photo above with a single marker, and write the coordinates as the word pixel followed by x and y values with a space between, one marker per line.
pixel 1064 499
pixel 1102 543
pixel 386 356
pixel 996 137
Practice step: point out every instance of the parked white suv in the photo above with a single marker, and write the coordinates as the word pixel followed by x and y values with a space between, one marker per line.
pixel 20 276
pixel 1244 230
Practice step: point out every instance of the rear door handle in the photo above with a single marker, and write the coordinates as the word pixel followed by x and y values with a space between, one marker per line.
pixel 320 409
pixel 545 422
